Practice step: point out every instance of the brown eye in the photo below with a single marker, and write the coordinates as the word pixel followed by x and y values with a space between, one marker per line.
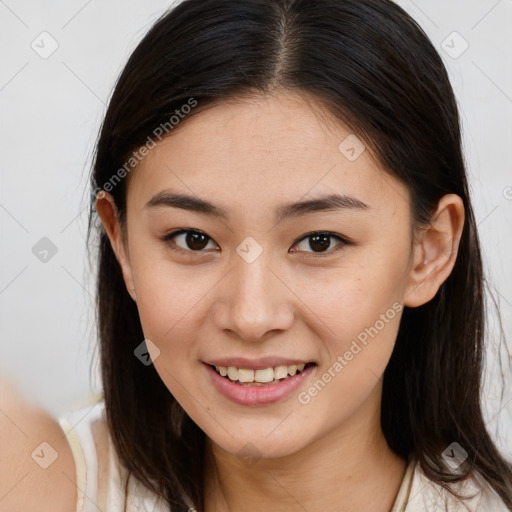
pixel 188 239
pixel 320 242
pixel 191 240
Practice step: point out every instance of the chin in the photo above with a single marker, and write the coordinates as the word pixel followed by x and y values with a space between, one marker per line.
pixel 253 447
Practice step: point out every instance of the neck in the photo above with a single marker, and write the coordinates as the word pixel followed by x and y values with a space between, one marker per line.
pixel 333 473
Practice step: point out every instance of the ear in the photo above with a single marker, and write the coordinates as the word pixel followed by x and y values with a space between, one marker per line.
pixel 107 210
pixel 435 251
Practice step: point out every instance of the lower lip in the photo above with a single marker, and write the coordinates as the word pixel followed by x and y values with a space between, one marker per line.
pixel 258 395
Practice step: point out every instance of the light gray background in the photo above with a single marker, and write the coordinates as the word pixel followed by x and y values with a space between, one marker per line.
pixel 51 109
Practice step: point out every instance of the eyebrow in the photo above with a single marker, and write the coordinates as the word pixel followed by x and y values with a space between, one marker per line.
pixel 327 203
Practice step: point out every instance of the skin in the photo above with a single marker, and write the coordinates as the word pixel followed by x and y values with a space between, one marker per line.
pixel 249 157
pixel 26 483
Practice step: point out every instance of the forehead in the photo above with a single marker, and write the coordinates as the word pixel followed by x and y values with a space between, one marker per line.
pixel 264 149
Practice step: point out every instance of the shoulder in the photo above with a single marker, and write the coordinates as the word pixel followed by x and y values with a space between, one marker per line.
pixel 100 476
pixel 86 432
pixel 37 470
pixel 426 495
pixel 61 464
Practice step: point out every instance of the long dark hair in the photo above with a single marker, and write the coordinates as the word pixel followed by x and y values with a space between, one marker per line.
pixel 375 69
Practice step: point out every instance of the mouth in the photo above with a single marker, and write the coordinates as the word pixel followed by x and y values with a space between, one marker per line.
pixel 260 377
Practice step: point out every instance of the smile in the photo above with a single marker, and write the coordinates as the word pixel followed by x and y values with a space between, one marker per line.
pixel 262 386
pixel 260 377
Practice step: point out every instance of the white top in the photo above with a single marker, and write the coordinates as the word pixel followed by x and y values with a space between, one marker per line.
pixel 101 478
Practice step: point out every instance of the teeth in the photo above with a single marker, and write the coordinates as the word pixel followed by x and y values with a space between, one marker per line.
pixel 245 375
pixel 266 375
pixel 263 376
pixel 232 373
pixel 281 372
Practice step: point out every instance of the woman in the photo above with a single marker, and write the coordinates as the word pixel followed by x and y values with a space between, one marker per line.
pixel 290 295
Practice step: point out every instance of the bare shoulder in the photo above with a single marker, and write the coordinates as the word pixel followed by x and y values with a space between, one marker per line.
pixel 37 469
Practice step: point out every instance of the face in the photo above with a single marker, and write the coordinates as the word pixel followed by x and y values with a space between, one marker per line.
pixel 257 286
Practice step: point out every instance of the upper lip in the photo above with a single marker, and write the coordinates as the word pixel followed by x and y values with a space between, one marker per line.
pixel 257 364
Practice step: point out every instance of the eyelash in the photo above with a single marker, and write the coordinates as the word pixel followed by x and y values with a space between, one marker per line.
pixel 344 241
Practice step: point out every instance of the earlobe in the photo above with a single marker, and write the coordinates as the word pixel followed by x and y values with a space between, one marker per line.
pixel 435 251
pixel 107 211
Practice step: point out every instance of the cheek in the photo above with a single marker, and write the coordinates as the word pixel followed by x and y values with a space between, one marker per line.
pixel 363 320
pixel 172 302
pixel 167 307
pixel 167 293
pixel 356 297
pixel 361 306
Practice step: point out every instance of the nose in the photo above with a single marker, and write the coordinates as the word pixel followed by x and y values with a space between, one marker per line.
pixel 254 301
